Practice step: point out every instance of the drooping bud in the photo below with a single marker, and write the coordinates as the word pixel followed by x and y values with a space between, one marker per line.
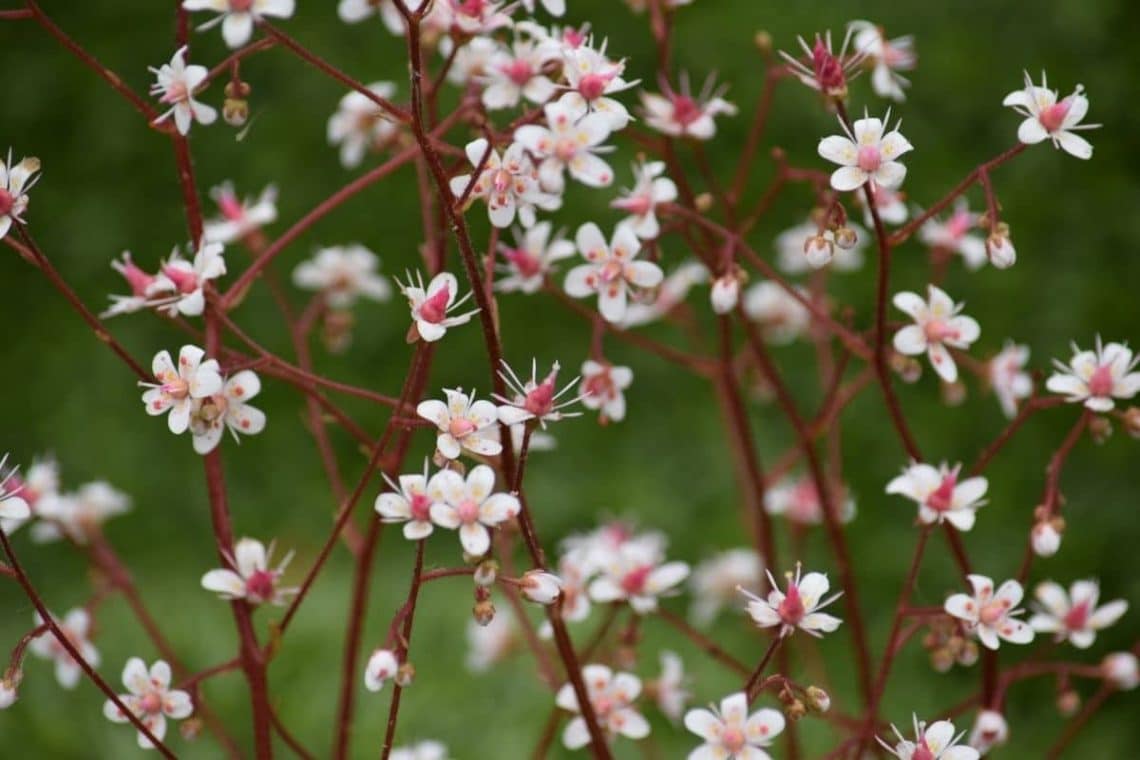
pixel 1000 250
pixel 818 699
pixel 795 710
pixel 725 293
pixel 1068 702
pixel 846 238
pixel 990 730
pixel 381 668
pixel 1045 536
pixel 540 586
pixel 190 729
pixel 486 572
pixel 235 107
pixel 405 675
pixel 1121 670
pixel 1100 429
pixel 483 612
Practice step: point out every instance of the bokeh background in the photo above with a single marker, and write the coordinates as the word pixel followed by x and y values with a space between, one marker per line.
pixel 109 185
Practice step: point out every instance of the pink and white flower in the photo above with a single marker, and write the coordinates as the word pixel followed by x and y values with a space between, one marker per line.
pixel 886 57
pixel 175 83
pixel 939 495
pixel 76 627
pixel 176 389
pixel 180 286
pixel 612 270
pixel 144 287
pixel 540 586
pixel 509 184
pixel 150 699
pixel 1046 117
pixel 227 409
pixel 782 317
pixel 936 742
pixel 1074 615
pixel 592 78
pixel 470 505
pixel 634 575
pixel 730 733
pixel 250 576
pixel 681 114
pixel 1095 378
pixel 990 615
pixel 1121 670
pixel 238 17
pixel 360 125
pixel 79 516
pixel 382 666
pixel 798 501
pixel 532 258
pixel 534 400
pixel 602 389
pixel 14 509
pixel 463 423
pixel 866 154
pixel 1008 378
pixel 478 16
pixel 797 607
pixel 715 581
pixel 431 305
pixel 239 218
pixel 408 502
pixel 668 689
pixel 568 142
pixel 937 328
pixel 515 73
pixel 15 182
pixel 612 696
pixel 650 189
pixel 953 236
pixel 343 274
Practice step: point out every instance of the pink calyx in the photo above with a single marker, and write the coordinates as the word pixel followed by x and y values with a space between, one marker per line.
pixel 828 70
pixel 260 586
pixel 593 86
pixel 518 71
pixel 938 331
pixel 468 511
pixel 527 264
pixel 1053 117
pixel 540 399
pixel 1078 617
pixel 460 427
pixel 634 581
pixel 791 610
pixel 686 110
pixel 7 202
pixel 185 281
pixel 1101 381
pixel 434 307
pixel 420 506
pixel 942 499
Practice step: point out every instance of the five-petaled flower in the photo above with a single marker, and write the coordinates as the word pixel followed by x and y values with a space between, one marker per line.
pixel 1095 378
pixel 592 78
pixel 250 576
pixel 938 327
pixel 935 742
pixel 534 399
pixel 342 274
pixel 531 258
pixel 636 575
pixel 612 696
pixel 408 502
pixel 227 409
pixel 76 627
pixel 463 423
pixel 730 733
pixel 939 494
pixel 568 143
pixel 470 505
pixel 175 83
pixel 612 270
pixel 602 389
pixel 650 190
pixel 1074 615
pixel 239 16
pixel 431 305
pixel 990 614
pixel 176 389
pixel 1046 117
pixel 681 114
pixel 797 607
pixel 15 182
pixel 508 183
pixel 1008 378
pixel 516 72
pixel 150 699
pixel 866 154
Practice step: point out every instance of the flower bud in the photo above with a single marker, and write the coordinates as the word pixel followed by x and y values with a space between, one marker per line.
pixel 1045 536
pixel 1100 429
pixel 486 572
pixel 795 710
pixel 235 111
pixel 8 686
pixel 907 368
pixel 846 238
pixel 1121 670
pixel 818 699
pixel 405 675
pixel 483 612
pixel 1068 702
pixel 968 654
pixel 818 251
pixel 1000 250
pixel 725 293
pixel 336 330
pixel 942 659
pixel 703 202
pixel 541 587
pixel 381 667
pixel 990 730
pixel 953 394
pixel 763 41
pixel 1132 421
pixel 190 729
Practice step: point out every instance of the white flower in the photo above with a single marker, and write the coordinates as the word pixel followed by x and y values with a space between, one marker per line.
pixel 730 733
pixel 990 730
pixel 426 750
pixel 516 73
pixel 249 576
pixel 782 318
pixel 534 400
pixel 612 696
pixel 531 259
pixel 1122 670
pixel 177 388
pixel 143 286
pixel 612 270
pixel 240 219
pixel 381 668
pixel 668 690
pixel 937 326
pixel 938 742
pixel 23 496
pixel 866 154
pixel 13 506
pixel 1074 616
pixel 989 614
pixel 15 182
pixel 1045 538
pixel 1046 117
pixel 343 274
pixel 634 575
pixel 151 699
pixel 239 16
pixel 175 85
pixel 714 581
pixel 541 587
pixel 227 409
pixel 408 502
pixel 798 607
pixel 568 143
pixel 886 57
pixel 359 124
pixel 680 114
pixel 489 644
pixel 798 249
pixel 508 184
pixel 76 627
pixel 1008 378
pixel 1095 378
pixel 650 189
pixel 79 515
pixel 471 60
pixel 592 78
pixel 953 236
pixel 430 306
pixel 799 502
pixel 463 423
pixel 939 495
pixel 470 505
pixel 179 288
pixel 602 386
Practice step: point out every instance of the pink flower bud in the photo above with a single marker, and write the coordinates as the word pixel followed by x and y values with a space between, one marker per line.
pixel 725 293
pixel 382 666
pixel 1045 538
pixel 541 587
pixel 818 251
pixel 1000 250
pixel 990 730
pixel 1121 670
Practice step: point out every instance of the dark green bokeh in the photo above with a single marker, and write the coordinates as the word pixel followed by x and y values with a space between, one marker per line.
pixel 109 184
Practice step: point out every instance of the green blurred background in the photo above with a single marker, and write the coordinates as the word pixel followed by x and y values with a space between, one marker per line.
pixel 109 184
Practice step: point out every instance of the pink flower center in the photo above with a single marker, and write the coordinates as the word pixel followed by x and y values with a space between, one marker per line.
pixel 603 705
pixel 526 264
pixel 540 400
pixel 151 703
pixel 421 507
pixel 1054 116
pixel 685 110
pixel 6 202
pixel 1101 382
pixel 184 281
pixel 176 93
pixel 174 387
pixel 434 308
pixel 573 38
pixel 565 149
pixel 633 582
pixel 922 752
pixel 732 739
pixel 501 181
pixel 611 270
pixel 260 585
pixel 638 205
pixel 471 7
pixel 805 501
pixel 828 70
pixel 241 6
pixel 870 158
pixel 938 331
pixel 460 427
pixel 518 71
pixel 942 499
pixel 993 611
pixel 959 224
pixel 139 280
pixel 792 610
pixel 593 86
pixel 1078 617
pixel 468 511
pixel 601 386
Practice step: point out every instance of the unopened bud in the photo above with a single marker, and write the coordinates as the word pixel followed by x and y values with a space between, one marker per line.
pixel 907 368
pixel 969 654
pixel 1132 421
pixel 1121 670
pixel 703 202
pixel 486 572
pixel 725 293
pixel 1000 250
pixel 237 89
pixel 190 728
pixel 1045 536
pixel 818 250
pixel 846 238
pixel 1100 428
pixel 818 699
pixel 336 330
pixel 990 730
pixel 483 612
pixel 942 659
pixel 953 394
pixel 540 586
pixel 1068 702
pixel 405 675
pixel 763 41
pixel 235 111
pixel 795 710
pixel 626 657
